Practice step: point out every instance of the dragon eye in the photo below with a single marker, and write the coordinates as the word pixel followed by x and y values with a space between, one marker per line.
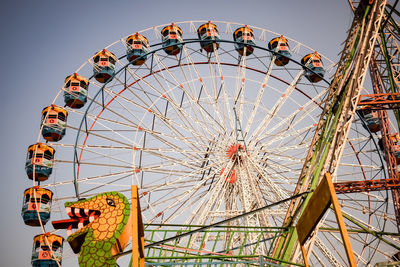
pixel 110 202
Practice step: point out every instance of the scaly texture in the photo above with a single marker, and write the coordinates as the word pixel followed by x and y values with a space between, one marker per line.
pixel 101 235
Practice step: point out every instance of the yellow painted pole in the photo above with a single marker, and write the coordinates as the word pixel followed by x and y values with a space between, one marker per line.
pixel 140 234
pixel 303 250
pixel 135 239
pixel 339 218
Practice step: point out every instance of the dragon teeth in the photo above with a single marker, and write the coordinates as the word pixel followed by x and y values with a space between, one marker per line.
pixel 86 211
pixel 76 211
pixel 68 210
pixel 80 224
pixel 91 218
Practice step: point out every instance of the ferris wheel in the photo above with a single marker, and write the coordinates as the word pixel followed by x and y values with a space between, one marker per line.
pixel 211 120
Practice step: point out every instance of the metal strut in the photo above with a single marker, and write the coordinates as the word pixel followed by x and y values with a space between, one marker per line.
pixel 239 133
pixel 384 71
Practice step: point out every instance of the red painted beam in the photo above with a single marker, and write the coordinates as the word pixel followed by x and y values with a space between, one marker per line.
pixel 380 101
pixel 366 186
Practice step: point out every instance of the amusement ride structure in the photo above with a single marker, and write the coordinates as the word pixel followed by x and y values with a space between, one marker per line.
pixel 227 130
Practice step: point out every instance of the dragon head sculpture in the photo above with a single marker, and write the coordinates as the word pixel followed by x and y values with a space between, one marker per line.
pixel 101 222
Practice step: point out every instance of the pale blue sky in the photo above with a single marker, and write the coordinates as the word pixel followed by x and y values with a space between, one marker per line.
pixel 44 41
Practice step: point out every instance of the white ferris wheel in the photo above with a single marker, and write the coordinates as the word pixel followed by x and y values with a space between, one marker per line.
pixel 209 130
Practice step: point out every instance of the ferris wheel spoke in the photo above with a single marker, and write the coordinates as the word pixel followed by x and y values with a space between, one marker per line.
pixel 94 133
pixel 188 194
pixel 180 204
pixel 278 191
pixel 183 116
pixel 327 253
pixel 240 79
pixel 92 178
pixel 192 101
pixel 97 155
pixel 305 110
pixel 259 96
pixel 227 114
pixel 95 164
pixel 177 110
pixel 205 89
pixel 274 110
pixel 190 174
pixel 157 135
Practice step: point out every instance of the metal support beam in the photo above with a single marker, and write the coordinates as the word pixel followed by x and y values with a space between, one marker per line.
pixel 381 101
pixel 366 185
pixel 137 230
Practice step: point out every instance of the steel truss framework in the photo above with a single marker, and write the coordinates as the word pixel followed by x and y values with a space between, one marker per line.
pixel 384 72
pixel 339 109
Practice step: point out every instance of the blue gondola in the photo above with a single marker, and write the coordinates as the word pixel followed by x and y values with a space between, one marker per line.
pixel 104 65
pixel 137 47
pixel 54 121
pixel 172 39
pixel 75 91
pixel 314 70
pixel 371 119
pixel 209 36
pixel 393 141
pixel 244 38
pixel 47 250
pixel 396 147
pixel 39 161
pixel 280 45
pixel 36 206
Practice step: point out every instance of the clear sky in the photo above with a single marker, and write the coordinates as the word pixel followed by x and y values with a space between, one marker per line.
pixel 44 41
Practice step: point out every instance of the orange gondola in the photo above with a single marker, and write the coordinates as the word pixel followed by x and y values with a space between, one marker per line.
pixel 104 65
pixel 47 250
pixel 36 207
pixel 244 40
pixel 209 36
pixel 172 39
pixel 39 161
pixel 54 121
pixel 314 70
pixel 280 46
pixel 137 47
pixel 75 91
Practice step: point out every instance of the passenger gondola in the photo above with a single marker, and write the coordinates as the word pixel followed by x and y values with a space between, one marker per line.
pixel 312 64
pixel 244 40
pixel 36 206
pixel 39 161
pixel 75 91
pixel 280 46
pixel 172 39
pixel 209 36
pixel 371 119
pixel 104 65
pixel 54 122
pixel 47 250
pixel 137 47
